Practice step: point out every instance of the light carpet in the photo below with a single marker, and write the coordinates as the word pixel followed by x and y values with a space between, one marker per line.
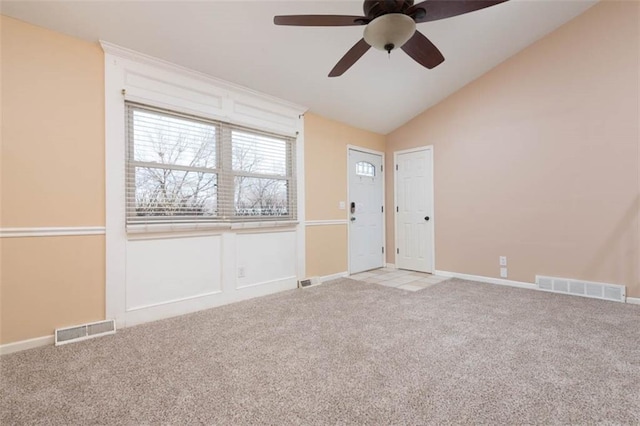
pixel 347 352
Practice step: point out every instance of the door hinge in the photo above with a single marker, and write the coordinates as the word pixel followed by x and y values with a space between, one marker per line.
pixel 382 250
pixel 398 251
pixel 382 168
pixel 397 209
pixel 396 167
pixel 382 209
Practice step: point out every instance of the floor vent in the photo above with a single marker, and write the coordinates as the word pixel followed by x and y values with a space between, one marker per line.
pixel 83 332
pixel 308 282
pixel 613 292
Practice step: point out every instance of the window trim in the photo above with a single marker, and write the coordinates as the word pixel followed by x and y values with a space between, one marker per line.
pixel 368 166
pixel 226 217
pixel 137 77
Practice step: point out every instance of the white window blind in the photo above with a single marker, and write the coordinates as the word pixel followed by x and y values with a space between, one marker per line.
pixel 184 169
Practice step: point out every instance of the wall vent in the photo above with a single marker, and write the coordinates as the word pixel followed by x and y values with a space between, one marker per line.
pixel 308 282
pixel 613 292
pixel 78 333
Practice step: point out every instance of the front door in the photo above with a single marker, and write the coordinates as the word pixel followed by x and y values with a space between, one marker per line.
pixel 414 210
pixel 365 211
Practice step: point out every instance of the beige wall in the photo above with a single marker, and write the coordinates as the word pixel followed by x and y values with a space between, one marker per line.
pixel 326 250
pixel 325 152
pixel 538 159
pixel 49 283
pixel 52 175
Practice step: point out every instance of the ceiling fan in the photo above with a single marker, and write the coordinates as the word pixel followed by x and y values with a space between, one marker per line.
pixel 391 24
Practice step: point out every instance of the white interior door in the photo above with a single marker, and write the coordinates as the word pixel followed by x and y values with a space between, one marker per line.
pixel 365 211
pixel 414 210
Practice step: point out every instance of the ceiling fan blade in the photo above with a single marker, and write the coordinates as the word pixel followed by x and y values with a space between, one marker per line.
pixel 442 9
pixel 320 20
pixel 423 51
pixel 350 58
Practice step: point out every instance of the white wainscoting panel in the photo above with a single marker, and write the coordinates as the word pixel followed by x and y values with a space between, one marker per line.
pixel 265 258
pixel 172 270
pixel 154 276
pixel 167 89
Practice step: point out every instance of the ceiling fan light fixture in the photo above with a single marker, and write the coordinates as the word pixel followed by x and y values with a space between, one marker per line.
pixel 390 31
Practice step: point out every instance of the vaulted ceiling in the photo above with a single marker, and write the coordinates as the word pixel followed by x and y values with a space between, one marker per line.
pixel 238 42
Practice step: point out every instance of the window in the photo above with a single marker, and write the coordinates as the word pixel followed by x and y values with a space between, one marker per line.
pixel 261 174
pixel 365 169
pixel 183 169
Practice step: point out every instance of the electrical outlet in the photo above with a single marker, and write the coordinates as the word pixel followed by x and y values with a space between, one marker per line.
pixel 341 205
pixel 241 272
pixel 503 272
pixel 503 260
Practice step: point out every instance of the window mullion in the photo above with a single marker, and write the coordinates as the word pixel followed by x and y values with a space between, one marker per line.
pixel 130 170
pixel 225 178
pixel 291 181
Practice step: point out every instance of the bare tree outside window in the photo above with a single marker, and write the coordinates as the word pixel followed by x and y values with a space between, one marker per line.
pixel 174 166
pixel 186 169
pixel 255 159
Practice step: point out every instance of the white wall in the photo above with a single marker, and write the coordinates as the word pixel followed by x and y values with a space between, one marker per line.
pixel 154 273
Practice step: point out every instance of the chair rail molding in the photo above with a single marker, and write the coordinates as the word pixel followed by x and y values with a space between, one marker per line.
pixel 56 231
pixel 328 222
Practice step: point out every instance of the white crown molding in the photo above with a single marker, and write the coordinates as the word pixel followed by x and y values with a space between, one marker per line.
pixel 51 231
pixel 326 222
pixel 132 55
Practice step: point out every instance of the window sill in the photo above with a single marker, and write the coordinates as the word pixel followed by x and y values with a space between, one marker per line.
pixel 178 230
pixel 174 229
pixel 264 224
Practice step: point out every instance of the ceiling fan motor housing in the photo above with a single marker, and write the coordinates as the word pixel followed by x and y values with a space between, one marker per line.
pixel 374 8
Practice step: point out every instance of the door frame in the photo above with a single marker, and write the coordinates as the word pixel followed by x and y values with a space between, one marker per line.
pixel 347 203
pixel 395 203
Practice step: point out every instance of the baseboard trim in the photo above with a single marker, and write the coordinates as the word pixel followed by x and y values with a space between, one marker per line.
pixel 390 265
pixel 51 231
pixel 333 276
pixel 23 345
pixel 519 284
pixel 203 302
pixel 488 280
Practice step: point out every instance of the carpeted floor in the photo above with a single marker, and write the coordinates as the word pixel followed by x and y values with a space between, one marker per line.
pixel 347 352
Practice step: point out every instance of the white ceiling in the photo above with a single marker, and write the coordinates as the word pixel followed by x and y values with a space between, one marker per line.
pixel 236 40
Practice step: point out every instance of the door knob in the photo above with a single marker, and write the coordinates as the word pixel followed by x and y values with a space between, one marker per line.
pixel 426 218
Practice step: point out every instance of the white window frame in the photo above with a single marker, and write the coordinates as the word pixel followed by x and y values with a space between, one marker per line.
pixel 223 170
pixel 289 177
pixel 140 78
